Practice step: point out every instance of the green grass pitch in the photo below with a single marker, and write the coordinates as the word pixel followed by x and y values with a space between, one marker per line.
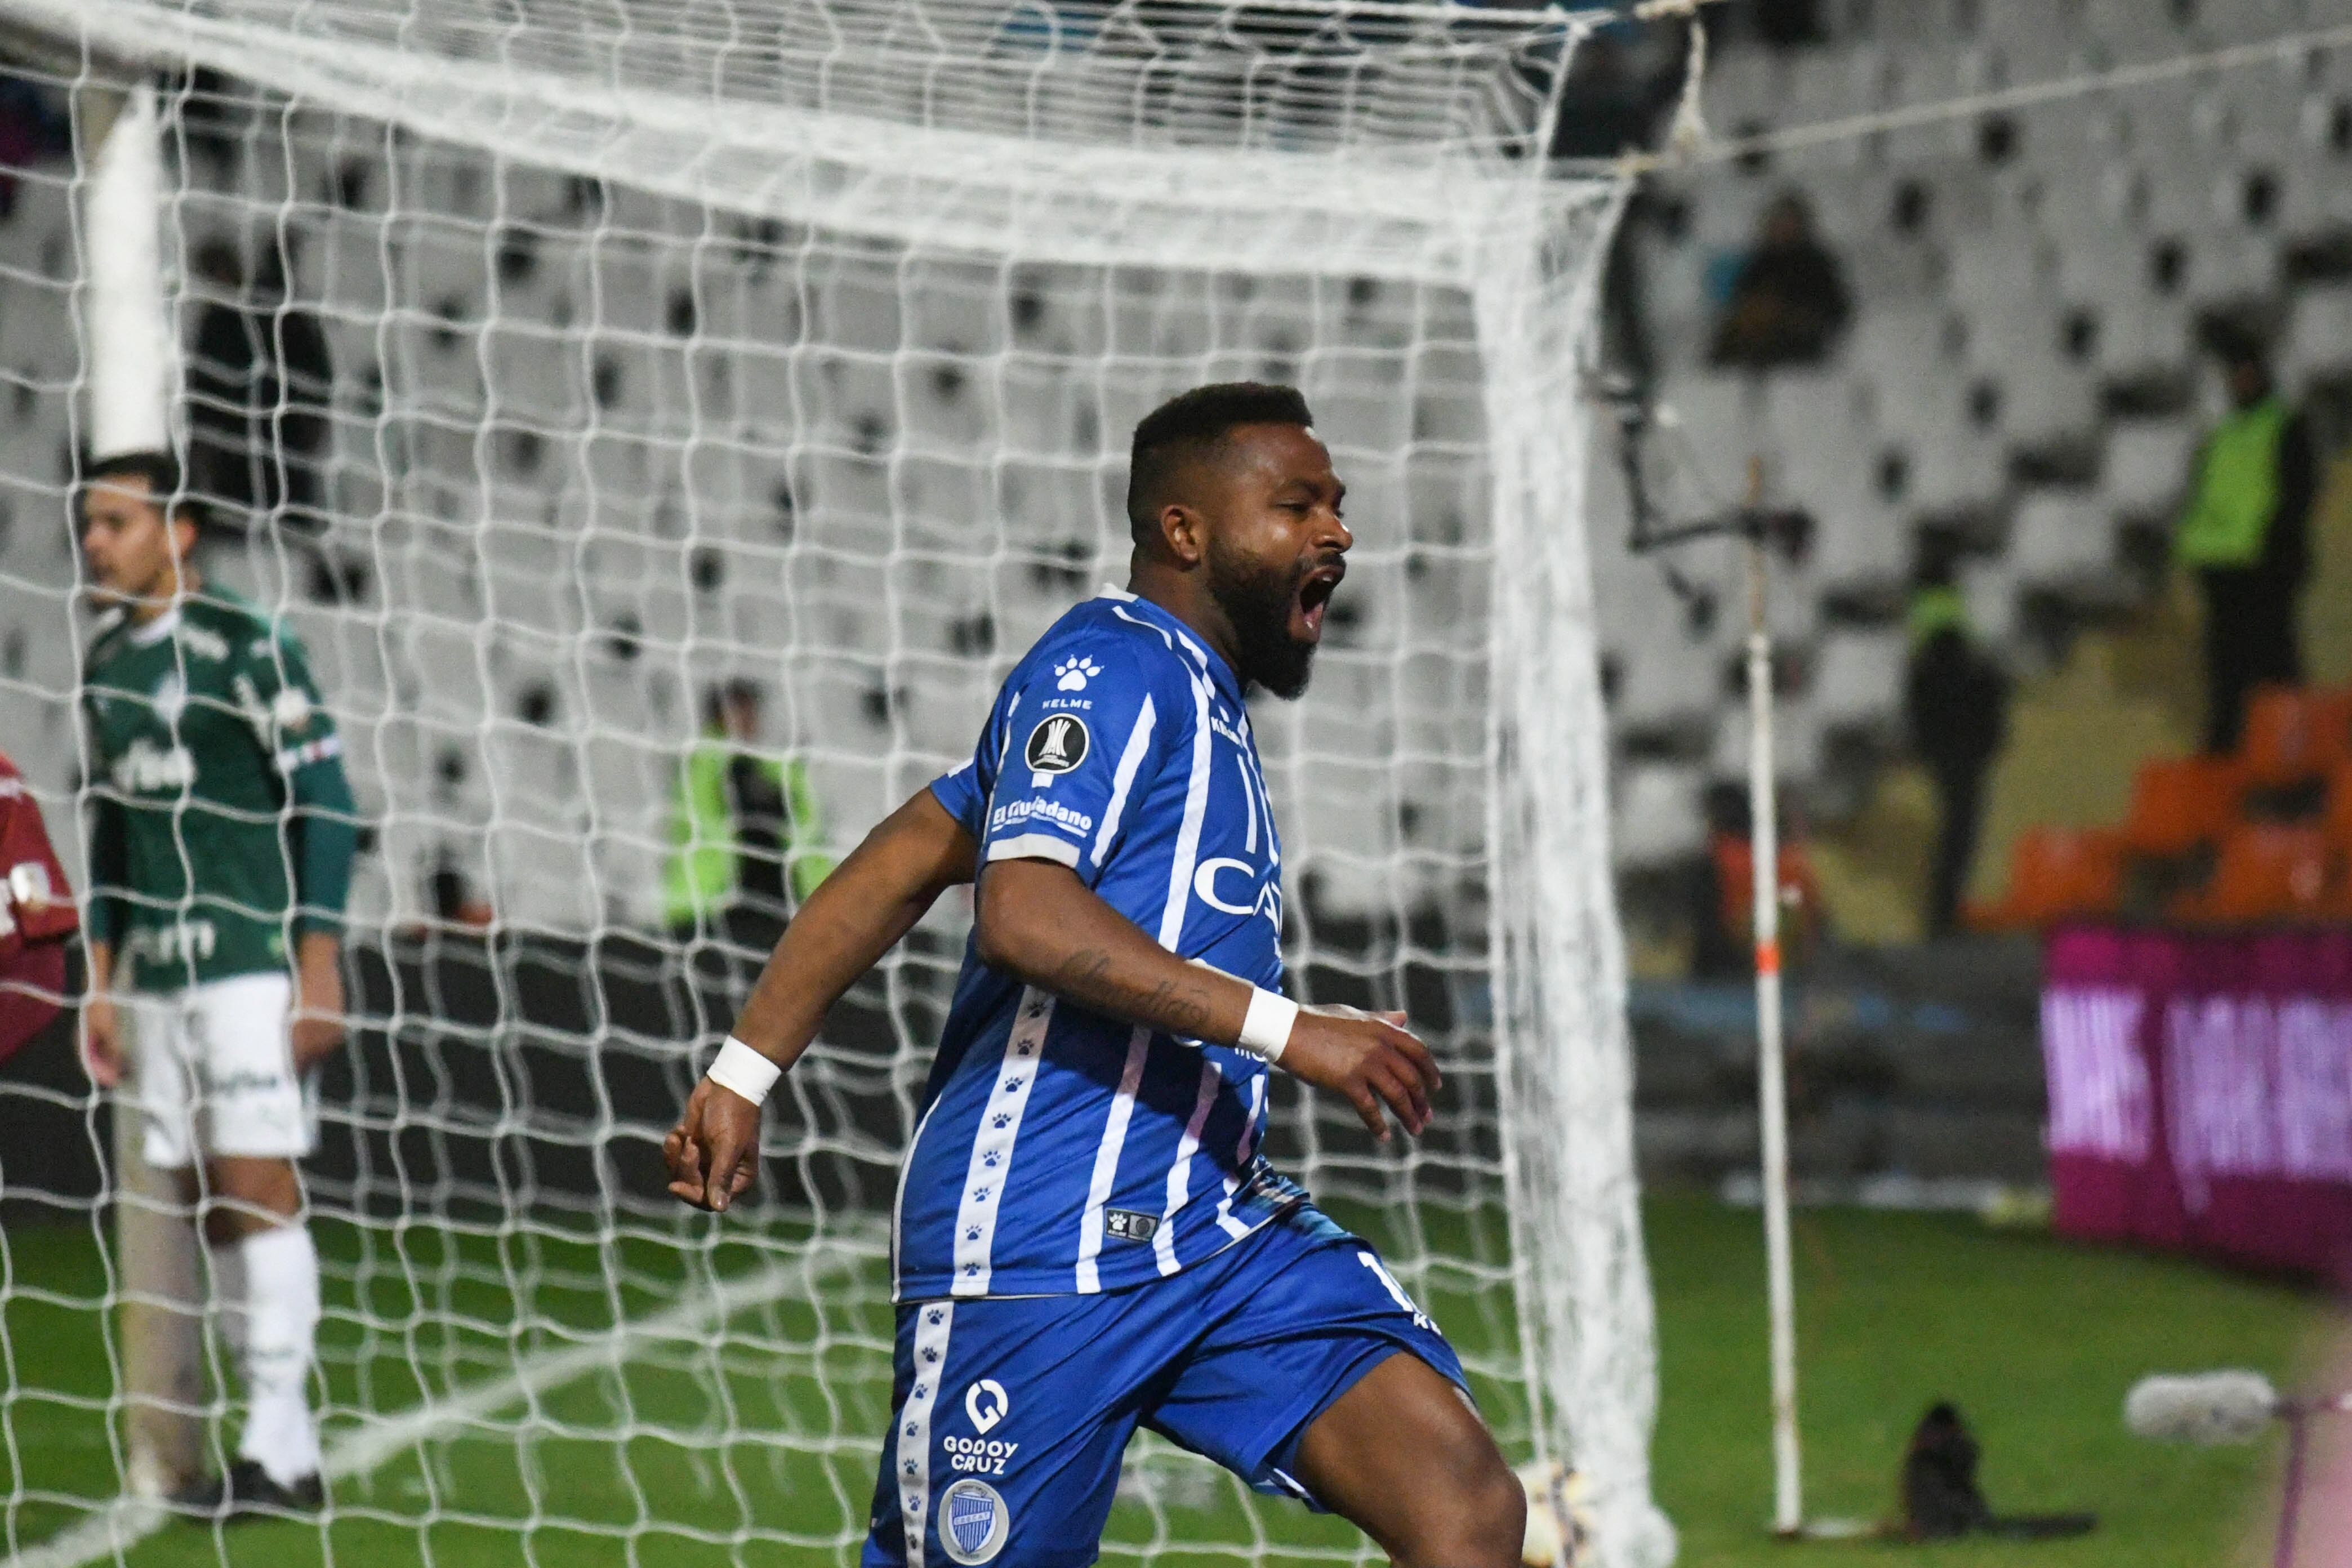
pixel 2036 1340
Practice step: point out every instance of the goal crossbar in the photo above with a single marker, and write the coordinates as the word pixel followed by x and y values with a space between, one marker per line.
pixel 1432 213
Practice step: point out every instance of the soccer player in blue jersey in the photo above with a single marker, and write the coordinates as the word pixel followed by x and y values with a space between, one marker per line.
pixel 1086 1237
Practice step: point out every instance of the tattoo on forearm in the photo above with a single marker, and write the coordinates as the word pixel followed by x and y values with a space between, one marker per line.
pixel 1179 1009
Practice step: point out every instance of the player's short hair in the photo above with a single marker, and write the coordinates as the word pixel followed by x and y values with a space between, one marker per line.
pixel 1190 428
pixel 162 472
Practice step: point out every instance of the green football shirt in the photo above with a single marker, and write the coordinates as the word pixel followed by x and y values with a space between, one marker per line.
pixel 198 719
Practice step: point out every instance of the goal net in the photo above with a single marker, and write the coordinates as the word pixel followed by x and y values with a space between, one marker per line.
pixel 614 352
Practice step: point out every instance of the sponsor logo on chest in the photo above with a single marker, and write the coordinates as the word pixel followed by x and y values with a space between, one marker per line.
pixel 188 940
pixel 146 768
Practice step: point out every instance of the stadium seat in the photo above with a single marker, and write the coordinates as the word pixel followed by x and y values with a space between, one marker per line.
pixel 1858 680
pixel 1796 741
pixel 2318 336
pixel 1989 590
pixel 2062 540
pixel 2267 871
pixel 2336 813
pixel 1658 819
pixel 2179 803
pixel 2148 467
pixel 2291 735
pixel 2056 874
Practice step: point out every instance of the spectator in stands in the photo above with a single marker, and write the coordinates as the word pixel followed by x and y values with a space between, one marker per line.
pixel 259 389
pixel 2246 535
pixel 1956 706
pixel 745 824
pixel 1788 302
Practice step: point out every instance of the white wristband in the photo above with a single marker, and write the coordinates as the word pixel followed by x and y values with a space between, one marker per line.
pixel 744 1071
pixel 1266 1028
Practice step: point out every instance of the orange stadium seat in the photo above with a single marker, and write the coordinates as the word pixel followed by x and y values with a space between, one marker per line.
pixel 2286 740
pixel 2268 871
pixel 2057 874
pixel 2335 817
pixel 2332 725
pixel 2180 803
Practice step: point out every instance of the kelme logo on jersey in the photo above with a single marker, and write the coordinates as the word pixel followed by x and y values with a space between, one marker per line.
pixel 1057 744
pixel 1126 1225
pixel 973 1522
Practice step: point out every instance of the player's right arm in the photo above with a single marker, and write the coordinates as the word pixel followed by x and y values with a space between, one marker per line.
pixel 101 1029
pixel 874 898
pixel 1039 923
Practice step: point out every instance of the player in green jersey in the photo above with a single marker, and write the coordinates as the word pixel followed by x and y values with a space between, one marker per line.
pixel 220 855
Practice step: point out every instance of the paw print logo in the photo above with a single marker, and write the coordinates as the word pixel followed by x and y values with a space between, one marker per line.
pixel 1074 673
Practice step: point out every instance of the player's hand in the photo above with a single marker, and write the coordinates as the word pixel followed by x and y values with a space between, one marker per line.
pixel 317 1026
pixel 1370 1058
pixel 713 1152
pixel 102 1042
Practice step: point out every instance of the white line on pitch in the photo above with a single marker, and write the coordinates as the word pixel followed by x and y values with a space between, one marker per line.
pixel 124 1523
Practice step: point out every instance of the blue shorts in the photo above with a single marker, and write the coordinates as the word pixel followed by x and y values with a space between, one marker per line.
pixel 1009 1417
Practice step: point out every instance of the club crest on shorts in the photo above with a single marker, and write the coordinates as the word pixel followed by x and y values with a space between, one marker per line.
pixel 1057 744
pixel 974 1521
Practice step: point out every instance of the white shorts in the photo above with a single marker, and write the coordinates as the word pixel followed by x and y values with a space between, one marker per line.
pixel 216 1072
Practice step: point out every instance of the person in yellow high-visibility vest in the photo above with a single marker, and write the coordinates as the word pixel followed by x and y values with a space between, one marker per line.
pixel 2246 535
pixel 746 848
pixel 746 834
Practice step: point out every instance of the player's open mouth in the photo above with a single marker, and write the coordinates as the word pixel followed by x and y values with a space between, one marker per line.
pixel 1315 591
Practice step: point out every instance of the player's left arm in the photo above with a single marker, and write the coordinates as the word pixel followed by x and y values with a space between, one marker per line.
pixel 1036 920
pixel 298 736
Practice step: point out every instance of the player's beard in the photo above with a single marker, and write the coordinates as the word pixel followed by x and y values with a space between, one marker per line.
pixel 1257 602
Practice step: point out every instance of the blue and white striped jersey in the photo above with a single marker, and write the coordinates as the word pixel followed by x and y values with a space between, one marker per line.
pixel 1060 1151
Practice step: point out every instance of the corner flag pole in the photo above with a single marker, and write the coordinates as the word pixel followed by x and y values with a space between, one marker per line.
pixel 1771 1092
pixel 1651 534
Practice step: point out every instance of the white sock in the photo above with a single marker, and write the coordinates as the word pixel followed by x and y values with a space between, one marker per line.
pixel 282 1326
pixel 229 1298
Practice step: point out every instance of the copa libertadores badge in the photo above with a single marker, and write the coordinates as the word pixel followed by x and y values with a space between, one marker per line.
pixel 974 1521
pixel 1057 744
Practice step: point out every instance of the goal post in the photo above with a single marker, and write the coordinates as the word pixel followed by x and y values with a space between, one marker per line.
pixel 156 1268
pixel 722 338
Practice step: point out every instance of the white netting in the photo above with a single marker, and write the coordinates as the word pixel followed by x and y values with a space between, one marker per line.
pixel 672 344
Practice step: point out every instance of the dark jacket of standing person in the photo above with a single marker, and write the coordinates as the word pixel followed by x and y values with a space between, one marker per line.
pixel 2246 535
pixel 1790 302
pixel 260 383
pixel 1956 708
